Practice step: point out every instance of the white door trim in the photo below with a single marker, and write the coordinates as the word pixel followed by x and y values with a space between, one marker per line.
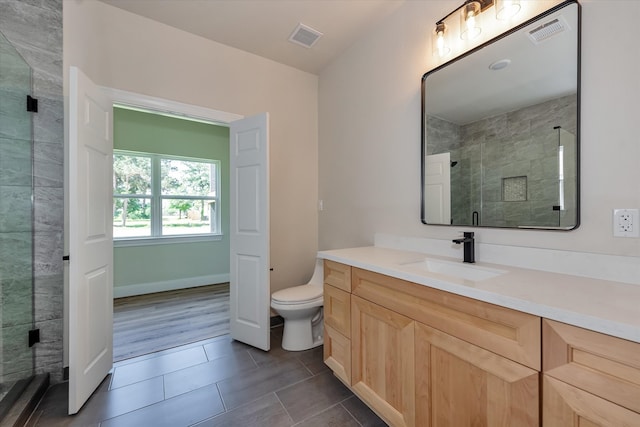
pixel 162 105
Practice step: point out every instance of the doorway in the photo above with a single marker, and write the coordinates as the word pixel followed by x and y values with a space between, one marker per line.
pixel 171 228
pixel 88 319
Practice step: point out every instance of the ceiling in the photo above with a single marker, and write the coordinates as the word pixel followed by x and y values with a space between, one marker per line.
pixel 263 27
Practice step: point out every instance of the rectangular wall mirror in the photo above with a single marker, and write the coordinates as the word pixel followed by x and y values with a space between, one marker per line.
pixel 500 129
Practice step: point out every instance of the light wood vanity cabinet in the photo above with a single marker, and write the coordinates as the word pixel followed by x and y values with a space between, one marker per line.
pixel 421 357
pixel 590 379
pixel 459 363
pixel 337 319
pixel 424 357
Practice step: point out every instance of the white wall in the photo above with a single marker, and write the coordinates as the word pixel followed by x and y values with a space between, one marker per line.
pixel 369 133
pixel 124 51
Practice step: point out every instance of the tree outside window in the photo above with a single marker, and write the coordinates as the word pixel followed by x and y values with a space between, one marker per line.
pixel 157 195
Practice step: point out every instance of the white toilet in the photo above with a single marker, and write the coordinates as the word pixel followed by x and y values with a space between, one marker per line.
pixel 301 309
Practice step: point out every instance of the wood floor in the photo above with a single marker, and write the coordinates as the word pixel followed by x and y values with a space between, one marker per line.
pixel 150 323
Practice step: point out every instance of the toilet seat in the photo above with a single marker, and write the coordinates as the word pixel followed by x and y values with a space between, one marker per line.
pixel 298 295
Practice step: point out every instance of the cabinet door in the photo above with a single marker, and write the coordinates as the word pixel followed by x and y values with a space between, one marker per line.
pixel 567 406
pixel 382 361
pixel 460 384
pixel 337 353
pixel 337 310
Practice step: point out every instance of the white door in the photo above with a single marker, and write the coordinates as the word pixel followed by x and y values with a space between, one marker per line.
pixel 437 189
pixel 90 238
pixel 250 289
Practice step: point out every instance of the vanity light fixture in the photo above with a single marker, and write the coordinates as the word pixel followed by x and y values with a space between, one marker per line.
pixel 470 13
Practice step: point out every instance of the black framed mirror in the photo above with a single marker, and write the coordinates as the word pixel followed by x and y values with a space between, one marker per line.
pixel 501 130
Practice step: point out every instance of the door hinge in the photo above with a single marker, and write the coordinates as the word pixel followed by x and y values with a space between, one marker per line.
pixel 34 337
pixel 65 257
pixel 32 104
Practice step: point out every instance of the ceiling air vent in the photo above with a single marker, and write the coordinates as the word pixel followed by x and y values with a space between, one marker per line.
pixel 304 36
pixel 547 30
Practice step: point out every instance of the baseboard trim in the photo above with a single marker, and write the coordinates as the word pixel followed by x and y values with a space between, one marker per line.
pixel 168 285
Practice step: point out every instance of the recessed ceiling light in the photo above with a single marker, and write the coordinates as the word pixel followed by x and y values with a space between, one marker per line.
pixel 499 65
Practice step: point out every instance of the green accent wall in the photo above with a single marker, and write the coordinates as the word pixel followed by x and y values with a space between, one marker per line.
pixel 155 133
pixel 170 265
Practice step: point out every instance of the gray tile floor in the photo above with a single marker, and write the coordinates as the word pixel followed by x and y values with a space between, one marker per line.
pixel 217 382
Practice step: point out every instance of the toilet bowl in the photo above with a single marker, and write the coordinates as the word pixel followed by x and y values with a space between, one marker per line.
pixel 301 309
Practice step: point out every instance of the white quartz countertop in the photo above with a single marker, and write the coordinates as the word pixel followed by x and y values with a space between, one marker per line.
pixel 612 308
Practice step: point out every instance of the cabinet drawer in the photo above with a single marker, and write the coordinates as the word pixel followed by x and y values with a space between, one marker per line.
pixel 509 333
pixel 567 406
pixel 337 353
pixel 338 275
pixel 603 365
pixel 337 310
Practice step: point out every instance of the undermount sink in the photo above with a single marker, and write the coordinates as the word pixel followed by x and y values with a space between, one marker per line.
pixel 459 270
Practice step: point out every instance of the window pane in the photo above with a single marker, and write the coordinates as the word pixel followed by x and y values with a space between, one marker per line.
pixel 131 217
pixel 132 174
pixel 180 216
pixel 186 178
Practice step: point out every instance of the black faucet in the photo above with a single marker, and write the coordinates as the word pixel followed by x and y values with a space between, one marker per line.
pixel 469 247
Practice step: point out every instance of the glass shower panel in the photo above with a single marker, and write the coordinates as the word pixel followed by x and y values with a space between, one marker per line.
pixel 568 186
pixel 465 185
pixel 16 221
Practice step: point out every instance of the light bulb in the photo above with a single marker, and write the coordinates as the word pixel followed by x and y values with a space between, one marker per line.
pixel 471 22
pixel 439 45
pixel 469 27
pixel 506 9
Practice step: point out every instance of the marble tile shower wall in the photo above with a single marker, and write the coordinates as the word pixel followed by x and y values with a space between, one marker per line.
pixel 514 144
pixel 522 143
pixel 16 358
pixel 34 28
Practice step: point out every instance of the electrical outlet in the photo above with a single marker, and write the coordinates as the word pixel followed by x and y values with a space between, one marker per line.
pixel 626 222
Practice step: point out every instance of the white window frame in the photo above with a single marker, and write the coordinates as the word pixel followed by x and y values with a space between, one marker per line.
pixel 157 197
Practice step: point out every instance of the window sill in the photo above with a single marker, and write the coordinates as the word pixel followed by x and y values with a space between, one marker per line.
pixel 165 240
